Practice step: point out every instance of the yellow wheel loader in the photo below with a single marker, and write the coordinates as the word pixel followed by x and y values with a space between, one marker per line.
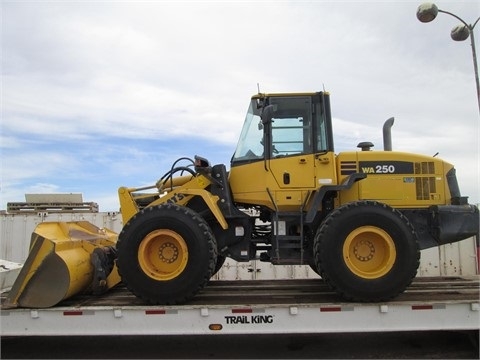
pixel 359 218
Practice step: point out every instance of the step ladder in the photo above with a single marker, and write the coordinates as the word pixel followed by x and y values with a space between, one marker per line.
pixel 287 247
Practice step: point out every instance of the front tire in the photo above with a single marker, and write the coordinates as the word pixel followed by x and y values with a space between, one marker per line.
pixel 166 254
pixel 367 251
pixel 220 261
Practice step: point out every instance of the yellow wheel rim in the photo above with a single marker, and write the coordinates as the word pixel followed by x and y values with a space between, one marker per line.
pixel 369 252
pixel 163 254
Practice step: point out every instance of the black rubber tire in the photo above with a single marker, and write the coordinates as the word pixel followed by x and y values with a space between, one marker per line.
pixel 220 261
pixel 341 226
pixel 199 264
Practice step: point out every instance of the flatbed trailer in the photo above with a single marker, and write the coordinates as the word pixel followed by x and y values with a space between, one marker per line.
pixel 256 307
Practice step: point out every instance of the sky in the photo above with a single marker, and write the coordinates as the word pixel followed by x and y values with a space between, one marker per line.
pixel 101 94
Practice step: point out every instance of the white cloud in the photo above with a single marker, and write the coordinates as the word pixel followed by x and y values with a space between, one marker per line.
pixel 116 76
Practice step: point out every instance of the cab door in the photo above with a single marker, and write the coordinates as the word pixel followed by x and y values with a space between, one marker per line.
pixel 291 159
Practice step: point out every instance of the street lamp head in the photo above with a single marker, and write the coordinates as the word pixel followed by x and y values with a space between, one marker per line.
pixel 427 12
pixel 460 33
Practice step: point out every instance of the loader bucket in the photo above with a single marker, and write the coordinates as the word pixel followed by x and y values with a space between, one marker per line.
pixel 60 264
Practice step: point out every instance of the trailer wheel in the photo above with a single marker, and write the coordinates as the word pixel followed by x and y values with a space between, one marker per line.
pixel 367 251
pixel 166 254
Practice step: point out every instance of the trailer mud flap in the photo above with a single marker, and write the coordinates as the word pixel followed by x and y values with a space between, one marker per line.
pixel 65 258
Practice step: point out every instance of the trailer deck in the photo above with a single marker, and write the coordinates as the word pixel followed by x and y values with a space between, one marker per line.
pixel 256 307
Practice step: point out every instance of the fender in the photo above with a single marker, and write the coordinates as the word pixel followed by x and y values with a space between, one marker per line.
pixel 318 197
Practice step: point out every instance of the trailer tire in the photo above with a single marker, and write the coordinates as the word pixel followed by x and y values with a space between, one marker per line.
pixel 367 251
pixel 166 254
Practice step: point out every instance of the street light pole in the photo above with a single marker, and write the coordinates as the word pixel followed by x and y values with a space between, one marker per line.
pixel 428 12
pixel 475 65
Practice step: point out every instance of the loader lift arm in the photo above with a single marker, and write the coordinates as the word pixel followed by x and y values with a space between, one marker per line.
pixel 180 190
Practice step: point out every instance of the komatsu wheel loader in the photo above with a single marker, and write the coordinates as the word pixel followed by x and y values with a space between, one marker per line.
pixel 358 218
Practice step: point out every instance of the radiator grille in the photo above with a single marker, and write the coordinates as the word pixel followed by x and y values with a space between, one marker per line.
pixel 427 167
pixel 425 185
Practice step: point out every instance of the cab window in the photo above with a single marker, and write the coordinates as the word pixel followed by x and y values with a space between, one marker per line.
pixel 291 126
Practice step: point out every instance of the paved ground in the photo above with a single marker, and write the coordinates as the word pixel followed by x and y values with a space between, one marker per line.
pixel 406 345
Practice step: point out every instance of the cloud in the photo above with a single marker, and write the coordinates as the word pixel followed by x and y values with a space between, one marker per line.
pixel 101 94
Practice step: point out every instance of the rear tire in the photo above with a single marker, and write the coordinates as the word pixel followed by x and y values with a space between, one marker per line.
pixel 367 251
pixel 166 254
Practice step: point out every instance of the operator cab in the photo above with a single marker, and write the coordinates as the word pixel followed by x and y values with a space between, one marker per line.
pixel 285 125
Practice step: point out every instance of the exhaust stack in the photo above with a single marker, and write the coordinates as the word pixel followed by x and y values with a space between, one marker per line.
pixel 387 134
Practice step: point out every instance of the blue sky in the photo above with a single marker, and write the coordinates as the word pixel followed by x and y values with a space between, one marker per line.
pixel 97 95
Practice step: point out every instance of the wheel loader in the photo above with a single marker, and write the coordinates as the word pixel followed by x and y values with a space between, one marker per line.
pixel 358 218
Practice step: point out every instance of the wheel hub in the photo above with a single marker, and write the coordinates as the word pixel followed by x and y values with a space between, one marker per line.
pixel 163 254
pixel 168 253
pixel 369 252
pixel 364 250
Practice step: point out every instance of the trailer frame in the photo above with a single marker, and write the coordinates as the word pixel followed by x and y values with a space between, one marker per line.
pixel 256 307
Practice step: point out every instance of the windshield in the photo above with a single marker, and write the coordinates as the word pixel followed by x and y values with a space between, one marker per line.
pixel 250 144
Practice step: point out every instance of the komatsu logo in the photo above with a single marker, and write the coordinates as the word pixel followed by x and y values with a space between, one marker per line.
pixel 252 319
pixel 176 198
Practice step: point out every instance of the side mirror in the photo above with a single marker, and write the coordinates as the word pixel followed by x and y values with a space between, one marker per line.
pixel 267 114
pixel 202 165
